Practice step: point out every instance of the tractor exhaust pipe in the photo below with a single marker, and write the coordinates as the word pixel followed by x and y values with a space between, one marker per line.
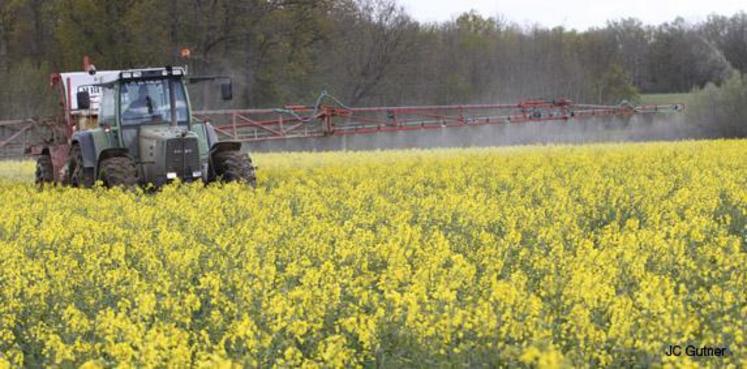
pixel 172 97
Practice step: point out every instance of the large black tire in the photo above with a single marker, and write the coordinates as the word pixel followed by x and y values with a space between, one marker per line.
pixel 78 176
pixel 44 170
pixel 118 171
pixel 233 166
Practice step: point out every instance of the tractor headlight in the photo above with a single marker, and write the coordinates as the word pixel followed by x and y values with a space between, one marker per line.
pixel 171 175
pixel 196 174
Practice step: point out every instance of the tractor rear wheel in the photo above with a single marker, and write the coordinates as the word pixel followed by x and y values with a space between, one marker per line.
pixel 233 166
pixel 79 176
pixel 44 170
pixel 118 171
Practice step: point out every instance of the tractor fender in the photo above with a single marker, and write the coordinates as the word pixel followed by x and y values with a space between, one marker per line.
pixel 87 148
pixel 212 137
pixel 110 153
pixel 225 146
pixel 113 152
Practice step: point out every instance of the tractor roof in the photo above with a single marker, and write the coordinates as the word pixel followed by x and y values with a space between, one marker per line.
pixel 141 73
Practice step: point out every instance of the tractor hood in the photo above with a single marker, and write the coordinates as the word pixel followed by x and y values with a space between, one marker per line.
pixel 163 132
pixel 168 153
pixel 153 141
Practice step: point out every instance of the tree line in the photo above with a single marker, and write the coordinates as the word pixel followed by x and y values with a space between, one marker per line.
pixel 365 52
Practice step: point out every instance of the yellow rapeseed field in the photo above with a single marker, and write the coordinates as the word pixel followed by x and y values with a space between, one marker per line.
pixel 598 256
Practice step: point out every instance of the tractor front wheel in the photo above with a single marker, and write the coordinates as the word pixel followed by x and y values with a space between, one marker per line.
pixel 233 166
pixel 79 176
pixel 118 171
pixel 44 170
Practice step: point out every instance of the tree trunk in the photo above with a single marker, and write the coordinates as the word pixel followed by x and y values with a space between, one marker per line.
pixel 4 64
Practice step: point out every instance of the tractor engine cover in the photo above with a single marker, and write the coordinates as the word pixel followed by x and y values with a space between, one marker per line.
pixel 167 153
pixel 183 157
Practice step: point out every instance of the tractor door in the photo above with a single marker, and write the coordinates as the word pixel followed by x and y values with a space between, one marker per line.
pixel 129 125
pixel 108 108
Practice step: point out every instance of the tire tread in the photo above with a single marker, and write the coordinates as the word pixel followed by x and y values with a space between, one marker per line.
pixel 233 166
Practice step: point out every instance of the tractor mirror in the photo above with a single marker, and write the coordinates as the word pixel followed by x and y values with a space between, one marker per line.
pixel 84 100
pixel 226 90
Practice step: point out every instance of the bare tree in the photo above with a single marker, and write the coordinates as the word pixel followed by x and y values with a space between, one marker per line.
pixel 4 35
pixel 382 40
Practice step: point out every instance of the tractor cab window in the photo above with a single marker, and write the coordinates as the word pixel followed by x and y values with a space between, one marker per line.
pixel 149 101
pixel 107 103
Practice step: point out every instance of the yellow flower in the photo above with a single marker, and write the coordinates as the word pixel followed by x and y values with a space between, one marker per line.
pixel 535 257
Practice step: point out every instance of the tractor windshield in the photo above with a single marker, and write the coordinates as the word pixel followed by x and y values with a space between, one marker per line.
pixel 149 101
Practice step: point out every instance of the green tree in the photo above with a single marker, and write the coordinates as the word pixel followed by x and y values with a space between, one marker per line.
pixel 615 85
pixel 720 111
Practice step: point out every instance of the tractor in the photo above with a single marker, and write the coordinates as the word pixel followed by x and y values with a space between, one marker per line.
pixel 135 127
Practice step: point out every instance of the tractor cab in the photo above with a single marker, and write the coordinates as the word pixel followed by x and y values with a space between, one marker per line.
pixel 137 97
pixel 151 101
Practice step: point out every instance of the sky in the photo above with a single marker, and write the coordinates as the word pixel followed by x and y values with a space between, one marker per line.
pixel 578 14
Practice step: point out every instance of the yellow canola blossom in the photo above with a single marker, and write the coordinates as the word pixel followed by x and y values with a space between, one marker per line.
pixel 598 256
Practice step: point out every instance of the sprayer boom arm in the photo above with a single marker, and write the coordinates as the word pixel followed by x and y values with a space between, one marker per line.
pixel 336 119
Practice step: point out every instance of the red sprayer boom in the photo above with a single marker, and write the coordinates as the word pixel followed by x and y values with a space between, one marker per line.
pixel 336 119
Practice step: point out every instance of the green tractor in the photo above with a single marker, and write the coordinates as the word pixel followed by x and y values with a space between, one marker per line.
pixel 135 127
